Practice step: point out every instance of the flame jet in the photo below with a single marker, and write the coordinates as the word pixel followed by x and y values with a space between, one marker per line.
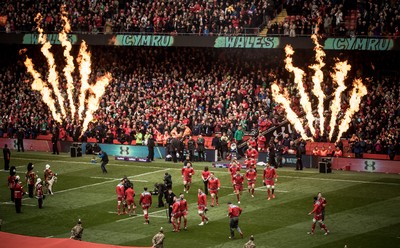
pixel 298 79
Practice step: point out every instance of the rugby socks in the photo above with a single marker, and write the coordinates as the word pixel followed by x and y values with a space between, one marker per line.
pixel 323 226
pixel 313 228
pixel 269 193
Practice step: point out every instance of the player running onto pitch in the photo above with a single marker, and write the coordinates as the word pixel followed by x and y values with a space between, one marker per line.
pixel 120 196
pixel 202 206
pixel 238 185
pixel 187 173
pixel 251 176
pixel 130 200
pixel 317 211
pixel 213 186
pixel 269 178
pixel 183 207
pixel 145 201
pixel 234 166
pixel 234 212
pixel 176 214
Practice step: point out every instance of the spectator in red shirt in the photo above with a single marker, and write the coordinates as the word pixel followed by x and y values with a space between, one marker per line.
pixel 261 142
pixel 337 152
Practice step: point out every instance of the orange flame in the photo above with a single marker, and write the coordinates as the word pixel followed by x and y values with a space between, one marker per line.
pixel 341 70
pixel 69 67
pixel 317 78
pixel 358 92
pixel 84 69
pixel 45 91
pixel 93 102
pixel 290 114
pixel 53 75
pixel 298 79
pixel 96 91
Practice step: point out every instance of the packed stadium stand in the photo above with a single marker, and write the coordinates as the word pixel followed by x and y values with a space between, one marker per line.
pixel 204 90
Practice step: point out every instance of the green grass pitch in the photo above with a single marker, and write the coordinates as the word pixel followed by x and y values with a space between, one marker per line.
pixel 363 208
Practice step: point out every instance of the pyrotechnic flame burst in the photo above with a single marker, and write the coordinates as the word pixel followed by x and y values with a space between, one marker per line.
pixel 96 91
pixel 298 80
pixel 339 75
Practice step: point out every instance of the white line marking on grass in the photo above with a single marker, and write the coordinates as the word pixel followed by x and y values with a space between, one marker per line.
pixel 25 204
pixel 141 215
pixel 110 178
pixel 8 171
pixel 341 180
pixel 262 188
pixel 109 181
pixel 90 163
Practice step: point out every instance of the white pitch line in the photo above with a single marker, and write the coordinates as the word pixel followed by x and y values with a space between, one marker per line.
pixel 110 178
pixel 261 188
pixel 88 163
pixel 109 181
pixel 25 204
pixel 341 180
pixel 8 171
pixel 140 215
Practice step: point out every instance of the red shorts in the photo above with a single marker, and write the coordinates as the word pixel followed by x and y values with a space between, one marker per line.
pixel 176 215
pixel 120 198
pixel 318 217
pixel 187 179
pixel 239 187
pixel 270 182
pixel 213 191
pixel 145 207
pixel 250 183
pixel 184 213
pixel 201 207
pixel 129 202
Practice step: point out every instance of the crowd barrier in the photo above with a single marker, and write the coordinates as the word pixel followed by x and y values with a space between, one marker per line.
pixel 370 162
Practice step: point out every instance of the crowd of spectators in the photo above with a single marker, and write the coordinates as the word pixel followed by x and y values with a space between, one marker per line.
pixel 108 16
pixel 378 18
pixel 371 18
pixel 187 91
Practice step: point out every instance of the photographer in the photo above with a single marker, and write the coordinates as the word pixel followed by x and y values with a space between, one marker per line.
pixel 168 180
pixel 160 189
